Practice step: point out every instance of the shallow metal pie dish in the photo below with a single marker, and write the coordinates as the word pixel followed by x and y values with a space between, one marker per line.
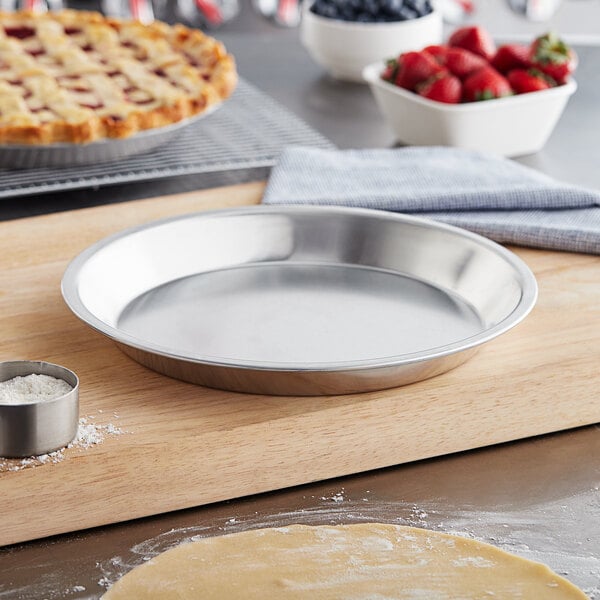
pixel 28 156
pixel 299 300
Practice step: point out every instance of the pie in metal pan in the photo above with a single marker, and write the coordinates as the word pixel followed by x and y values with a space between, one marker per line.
pixel 77 77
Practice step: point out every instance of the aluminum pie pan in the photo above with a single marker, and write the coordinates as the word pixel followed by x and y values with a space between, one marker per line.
pixel 299 300
pixel 28 156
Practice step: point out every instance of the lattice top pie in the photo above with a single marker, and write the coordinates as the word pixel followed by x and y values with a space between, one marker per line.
pixel 77 76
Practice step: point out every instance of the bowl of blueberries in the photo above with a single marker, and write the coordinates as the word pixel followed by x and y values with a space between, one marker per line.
pixel 344 36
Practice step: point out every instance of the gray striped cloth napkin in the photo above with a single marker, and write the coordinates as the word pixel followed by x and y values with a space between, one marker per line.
pixel 493 196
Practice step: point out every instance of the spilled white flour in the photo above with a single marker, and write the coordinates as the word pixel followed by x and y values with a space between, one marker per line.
pixel 89 434
pixel 339 497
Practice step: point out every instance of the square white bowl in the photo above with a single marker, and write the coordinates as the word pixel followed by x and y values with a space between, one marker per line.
pixel 512 126
pixel 345 48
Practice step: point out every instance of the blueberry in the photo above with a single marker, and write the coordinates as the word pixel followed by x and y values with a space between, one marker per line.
pixel 325 8
pixel 367 11
pixel 391 7
pixel 406 13
pixel 421 7
pixel 347 13
pixel 371 7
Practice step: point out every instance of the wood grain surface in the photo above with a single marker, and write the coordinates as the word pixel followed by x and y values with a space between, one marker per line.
pixel 187 445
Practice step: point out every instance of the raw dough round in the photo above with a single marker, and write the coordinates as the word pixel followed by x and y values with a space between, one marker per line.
pixel 351 562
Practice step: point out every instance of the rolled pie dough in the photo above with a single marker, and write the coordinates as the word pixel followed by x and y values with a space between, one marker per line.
pixel 370 561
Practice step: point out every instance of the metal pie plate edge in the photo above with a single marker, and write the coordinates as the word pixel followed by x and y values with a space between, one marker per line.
pixel 26 156
pixel 304 379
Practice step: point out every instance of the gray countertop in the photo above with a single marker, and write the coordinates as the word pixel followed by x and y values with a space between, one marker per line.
pixel 538 497
pixel 274 60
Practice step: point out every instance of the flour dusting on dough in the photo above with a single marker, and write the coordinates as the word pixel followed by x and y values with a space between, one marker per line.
pixel 473 561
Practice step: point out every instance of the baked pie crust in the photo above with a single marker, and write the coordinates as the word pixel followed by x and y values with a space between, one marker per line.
pixel 77 76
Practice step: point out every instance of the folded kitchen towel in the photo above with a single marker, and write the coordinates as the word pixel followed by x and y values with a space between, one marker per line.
pixel 493 196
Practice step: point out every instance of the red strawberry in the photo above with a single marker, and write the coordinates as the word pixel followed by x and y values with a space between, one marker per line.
pixel 416 67
pixel 446 88
pixel 474 39
pixel 438 52
pixel 523 81
pixel 554 57
pixel 391 68
pixel 511 56
pixel 485 84
pixel 461 62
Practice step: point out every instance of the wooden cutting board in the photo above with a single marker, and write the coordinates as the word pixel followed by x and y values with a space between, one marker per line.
pixel 186 445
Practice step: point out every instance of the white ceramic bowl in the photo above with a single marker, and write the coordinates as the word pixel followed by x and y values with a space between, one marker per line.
pixel 511 126
pixel 345 48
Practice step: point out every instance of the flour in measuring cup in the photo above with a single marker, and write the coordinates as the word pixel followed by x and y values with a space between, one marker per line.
pixel 32 388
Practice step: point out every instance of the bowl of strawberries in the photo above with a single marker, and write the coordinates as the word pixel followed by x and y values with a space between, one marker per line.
pixel 472 94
